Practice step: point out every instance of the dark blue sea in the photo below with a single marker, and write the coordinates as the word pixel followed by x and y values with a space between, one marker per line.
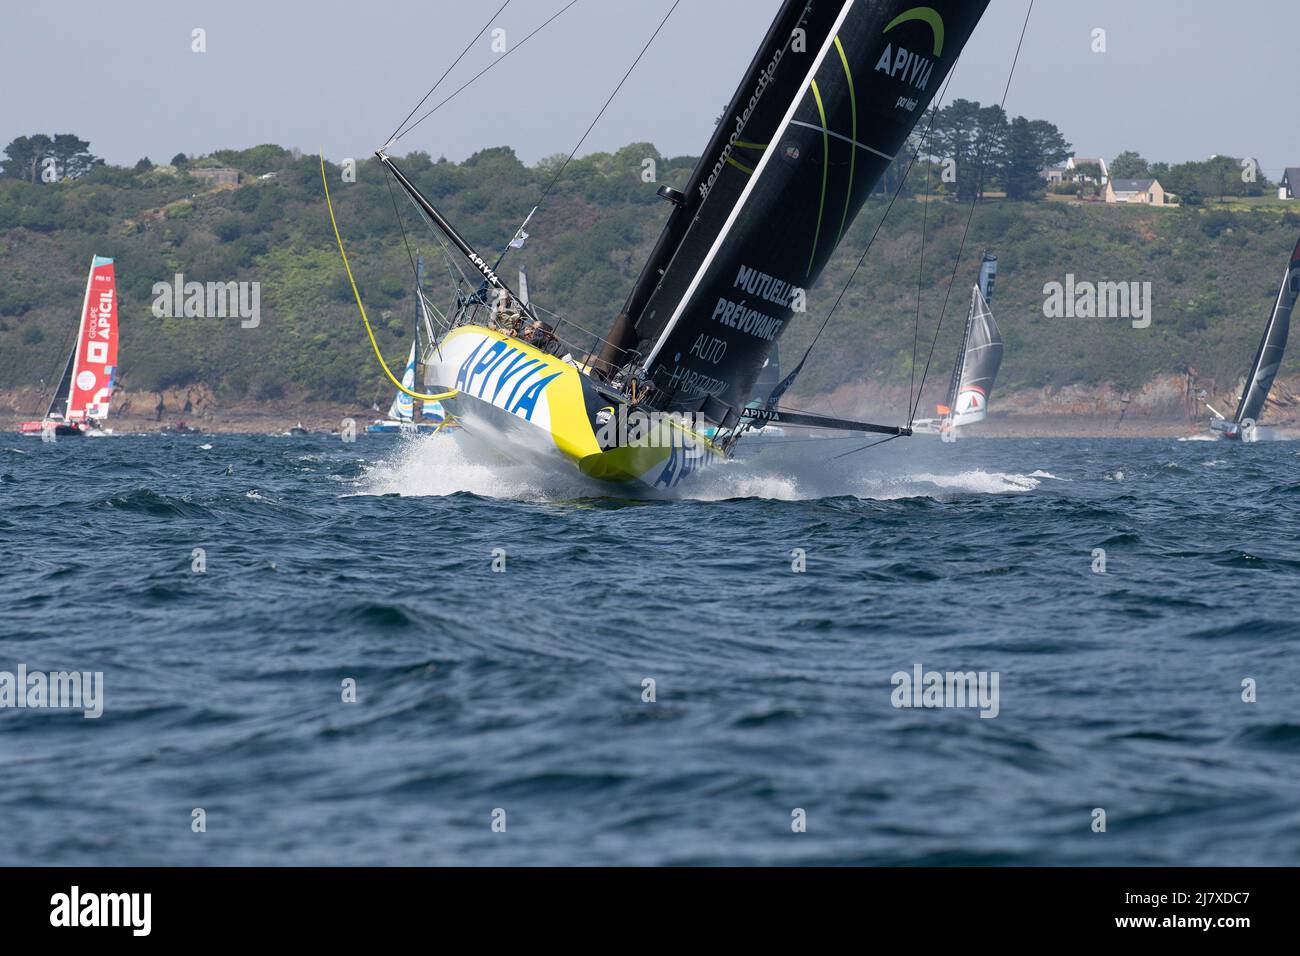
pixel 518 697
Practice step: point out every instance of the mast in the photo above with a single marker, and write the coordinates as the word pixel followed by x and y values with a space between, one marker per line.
pixel 831 99
pixel 959 367
pixel 988 274
pixel 70 374
pixel 1272 346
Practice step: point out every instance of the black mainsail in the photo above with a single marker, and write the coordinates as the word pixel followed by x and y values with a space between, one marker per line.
pixel 980 356
pixel 827 104
pixel 1268 357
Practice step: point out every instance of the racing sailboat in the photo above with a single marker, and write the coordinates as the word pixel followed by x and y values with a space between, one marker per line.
pixel 824 107
pixel 401 413
pixel 1268 358
pixel 978 361
pixel 81 400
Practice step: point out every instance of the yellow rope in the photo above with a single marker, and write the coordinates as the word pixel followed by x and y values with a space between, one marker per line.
pixel 387 371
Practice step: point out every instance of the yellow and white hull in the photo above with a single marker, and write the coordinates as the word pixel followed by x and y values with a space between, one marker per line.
pixel 529 407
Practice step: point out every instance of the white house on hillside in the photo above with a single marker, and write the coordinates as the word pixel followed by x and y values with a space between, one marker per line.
pixel 1074 162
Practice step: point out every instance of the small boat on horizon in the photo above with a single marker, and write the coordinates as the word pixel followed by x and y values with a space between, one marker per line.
pixel 1244 424
pixel 81 399
pixel 179 428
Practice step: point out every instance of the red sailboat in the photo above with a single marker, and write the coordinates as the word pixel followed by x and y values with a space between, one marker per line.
pixel 81 401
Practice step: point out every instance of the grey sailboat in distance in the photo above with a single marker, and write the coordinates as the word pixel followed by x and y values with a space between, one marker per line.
pixel 978 361
pixel 1268 358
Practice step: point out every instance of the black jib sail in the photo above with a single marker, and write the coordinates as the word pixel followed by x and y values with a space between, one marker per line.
pixel 980 356
pixel 59 401
pixel 822 112
pixel 1268 357
pixel 769 376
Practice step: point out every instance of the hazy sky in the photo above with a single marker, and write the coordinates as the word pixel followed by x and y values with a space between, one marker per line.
pixel 1181 79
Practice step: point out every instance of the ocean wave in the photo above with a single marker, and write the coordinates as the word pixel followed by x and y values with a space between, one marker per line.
pixel 145 501
pixel 1277 736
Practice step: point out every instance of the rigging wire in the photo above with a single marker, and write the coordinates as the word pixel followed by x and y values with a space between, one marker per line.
pixel 934 112
pixel 573 152
pixel 357 294
pixel 397 212
pixel 468 46
pixel 550 186
pixel 920 275
pixel 452 264
pixel 874 444
pixel 880 225
pixel 961 248
pixel 462 88
pixel 402 132
pixel 415 272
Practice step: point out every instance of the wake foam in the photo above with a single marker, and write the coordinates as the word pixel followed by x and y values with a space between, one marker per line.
pixel 437 466
pixel 440 466
pixel 737 481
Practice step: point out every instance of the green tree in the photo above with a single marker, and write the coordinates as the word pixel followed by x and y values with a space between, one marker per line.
pixel 1031 147
pixel 1052 146
pixel 24 157
pixel 72 156
pixel 991 130
pixel 1221 177
pixel 1129 165
pixel 953 144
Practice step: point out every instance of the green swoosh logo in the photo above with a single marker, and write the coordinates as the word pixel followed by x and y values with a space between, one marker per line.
pixel 928 15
